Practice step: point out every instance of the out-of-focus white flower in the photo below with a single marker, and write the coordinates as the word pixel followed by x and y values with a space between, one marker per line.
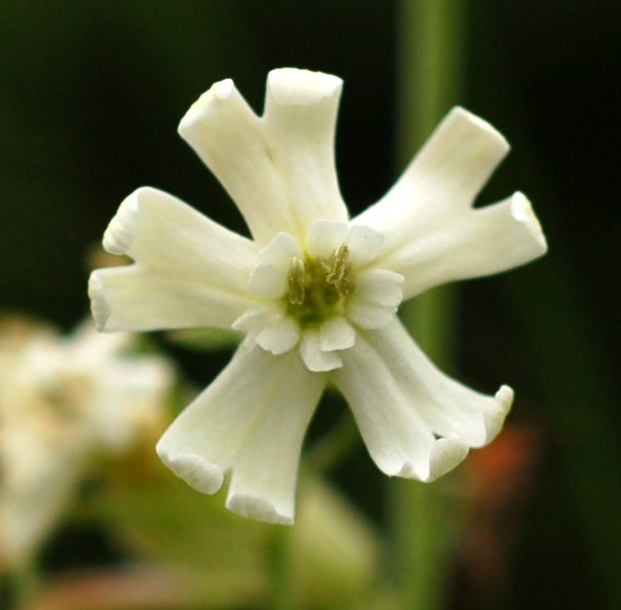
pixel 315 293
pixel 63 399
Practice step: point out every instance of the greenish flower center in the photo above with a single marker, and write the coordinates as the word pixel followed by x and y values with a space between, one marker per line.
pixel 318 288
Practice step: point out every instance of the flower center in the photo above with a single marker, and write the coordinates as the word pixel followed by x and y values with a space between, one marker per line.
pixel 317 288
pixel 316 295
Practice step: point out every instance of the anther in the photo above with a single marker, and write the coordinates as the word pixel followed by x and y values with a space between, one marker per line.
pixel 339 274
pixel 296 278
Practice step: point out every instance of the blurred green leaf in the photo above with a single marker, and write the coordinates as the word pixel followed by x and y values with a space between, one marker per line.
pixel 224 557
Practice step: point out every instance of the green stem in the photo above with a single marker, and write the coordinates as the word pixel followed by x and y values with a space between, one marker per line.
pixel 280 556
pixel 26 580
pixel 430 67
pixel 430 82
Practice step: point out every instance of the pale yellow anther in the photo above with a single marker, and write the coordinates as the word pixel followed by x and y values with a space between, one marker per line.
pixel 317 288
pixel 296 278
pixel 340 275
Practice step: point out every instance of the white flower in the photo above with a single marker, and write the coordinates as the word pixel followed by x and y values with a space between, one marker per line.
pixel 315 292
pixel 61 400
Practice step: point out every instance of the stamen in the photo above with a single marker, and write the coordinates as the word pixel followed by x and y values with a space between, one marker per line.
pixel 296 278
pixel 317 288
pixel 340 275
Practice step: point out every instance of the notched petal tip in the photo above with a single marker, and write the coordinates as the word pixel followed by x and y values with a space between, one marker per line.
pixel 336 334
pixel 100 308
pixel 279 337
pixel 522 211
pixel 280 250
pixel 197 472
pixel 505 396
pixel 315 359
pixel 207 105
pixel 369 315
pixel 446 454
pixel 364 244
pixel 494 419
pixel 257 508
pixel 122 228
pixel 268 281
pixel 322 362
pixel 292 86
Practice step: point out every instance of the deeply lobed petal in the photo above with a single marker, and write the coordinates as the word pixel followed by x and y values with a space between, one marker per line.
pixel 250 420
pixel 280 171
pixel 278 168
pixel 432 233
pixel 481 242
pixel 442 179
pixel 402 403
pixel 189 271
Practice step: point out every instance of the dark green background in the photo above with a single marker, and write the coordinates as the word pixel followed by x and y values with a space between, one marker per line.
pixel 91 93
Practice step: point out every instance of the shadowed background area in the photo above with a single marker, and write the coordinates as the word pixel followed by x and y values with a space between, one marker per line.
pixel 90 97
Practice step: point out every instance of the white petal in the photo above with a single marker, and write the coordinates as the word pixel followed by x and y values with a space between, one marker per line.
pixel 481 242
pixel 197 472
pixel 442 179
pixel 325 237
pixel 270 276
pixel 280 251
pixel 432 233
pixel 135 298
pixel 364 244
pixel 251 420
pixel 380 286
pixel 401 401
pixel 336 334
pixel 264 477
pixel 256 317
pixel 269 327
pixel 295 87
pixel 376 299
pixel 449 407
pixel 189 270
pixel 300 120
pixel 279 336
pixel 314 357
pixel 446 454
pixel 367 314
pixel 268 281
pixel 160 230
pixel 398 440
pixel 279 169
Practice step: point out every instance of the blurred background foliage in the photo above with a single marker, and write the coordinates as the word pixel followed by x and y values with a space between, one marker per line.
pixel 90 96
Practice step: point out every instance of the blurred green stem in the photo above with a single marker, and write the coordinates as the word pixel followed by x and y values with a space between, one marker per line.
pixel 26 581
pixel 280 564
pixel 430 76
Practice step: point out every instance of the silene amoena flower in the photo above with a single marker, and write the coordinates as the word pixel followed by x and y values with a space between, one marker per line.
pixel 315 292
